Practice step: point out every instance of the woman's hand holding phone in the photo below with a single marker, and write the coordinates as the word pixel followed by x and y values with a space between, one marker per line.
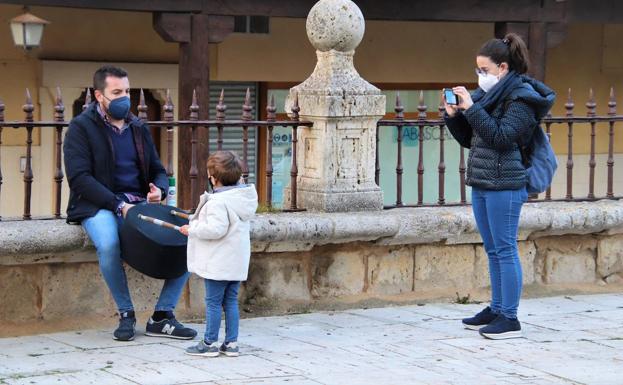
pixel 451 109
pixel 465 99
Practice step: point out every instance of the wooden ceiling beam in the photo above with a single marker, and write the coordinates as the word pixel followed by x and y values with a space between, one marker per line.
pixel 176 27
pixel 414 10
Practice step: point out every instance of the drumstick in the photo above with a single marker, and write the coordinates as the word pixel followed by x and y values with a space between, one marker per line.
pixel 179 214
pixel 158 222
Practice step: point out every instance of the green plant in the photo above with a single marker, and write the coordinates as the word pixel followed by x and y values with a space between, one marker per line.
pixel 462 300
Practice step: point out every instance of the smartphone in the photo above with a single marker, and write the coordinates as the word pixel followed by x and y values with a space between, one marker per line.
pixel 450 96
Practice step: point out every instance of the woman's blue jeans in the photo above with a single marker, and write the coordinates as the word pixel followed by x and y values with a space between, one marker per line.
pixel 103 229
pixel 497 217
pixel 221 295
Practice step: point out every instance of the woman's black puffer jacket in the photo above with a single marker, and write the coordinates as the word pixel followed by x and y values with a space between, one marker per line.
pixel 493 127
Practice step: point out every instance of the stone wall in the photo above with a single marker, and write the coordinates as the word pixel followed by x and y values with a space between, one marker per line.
pixel 49 277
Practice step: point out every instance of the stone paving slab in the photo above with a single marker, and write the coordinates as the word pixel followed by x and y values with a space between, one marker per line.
pixel 567 340
pixel 95 377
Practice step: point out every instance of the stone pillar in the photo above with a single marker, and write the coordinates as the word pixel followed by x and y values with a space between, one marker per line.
pixel 336 157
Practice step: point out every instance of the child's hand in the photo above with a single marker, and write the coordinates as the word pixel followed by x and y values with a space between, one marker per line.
pixel 184 230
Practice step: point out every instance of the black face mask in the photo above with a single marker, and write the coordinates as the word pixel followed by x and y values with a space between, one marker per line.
pixel 210 185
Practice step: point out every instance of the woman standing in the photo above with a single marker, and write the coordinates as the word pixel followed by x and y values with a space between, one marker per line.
pixel 496 123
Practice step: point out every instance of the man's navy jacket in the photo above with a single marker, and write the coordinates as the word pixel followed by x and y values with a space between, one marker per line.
pixel 90 164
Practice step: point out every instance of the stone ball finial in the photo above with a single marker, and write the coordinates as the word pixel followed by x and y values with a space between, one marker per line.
pixel 335 24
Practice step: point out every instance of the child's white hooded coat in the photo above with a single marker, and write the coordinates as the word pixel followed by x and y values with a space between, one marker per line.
pixel 219 245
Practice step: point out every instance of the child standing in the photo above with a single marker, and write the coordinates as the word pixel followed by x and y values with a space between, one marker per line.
pixel 219 248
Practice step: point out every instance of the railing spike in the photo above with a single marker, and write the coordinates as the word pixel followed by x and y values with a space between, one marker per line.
pixel 295 107
pixel 59 108
pixel 168 109
pixel 590 104
pixel 221 108
pixel 168 106
pixel 28 107
pixel 422 108
pixel 569 104
pixel 271 110
pixel 142 107
pixel 59 96
pixel 399 109
pixel 246 107
pixel 612 103
pixel 194 107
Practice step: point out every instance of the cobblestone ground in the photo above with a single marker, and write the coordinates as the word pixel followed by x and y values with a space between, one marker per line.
pixel 567 340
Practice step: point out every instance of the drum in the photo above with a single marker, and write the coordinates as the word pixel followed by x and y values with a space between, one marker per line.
pixel 153 250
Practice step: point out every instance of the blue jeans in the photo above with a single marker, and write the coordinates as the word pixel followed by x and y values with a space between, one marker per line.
pixel 103 229
pixel 497 217
pixel 221 295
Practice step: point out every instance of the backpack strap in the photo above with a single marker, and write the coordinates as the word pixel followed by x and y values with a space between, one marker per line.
pixel 523 148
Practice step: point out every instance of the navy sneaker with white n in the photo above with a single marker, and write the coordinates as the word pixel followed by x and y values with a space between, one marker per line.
pixel 481 319
pixel 502 328
pixel 169 327
pixel 125 331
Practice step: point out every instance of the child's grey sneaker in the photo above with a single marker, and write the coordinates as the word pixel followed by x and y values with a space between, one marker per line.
pixel 204 349
pixel 230 349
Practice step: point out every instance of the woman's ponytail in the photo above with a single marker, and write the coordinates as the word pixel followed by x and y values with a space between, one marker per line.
pixel 511 49
pixel 518 53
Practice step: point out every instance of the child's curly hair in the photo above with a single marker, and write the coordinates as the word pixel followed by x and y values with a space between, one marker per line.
pixel 226 167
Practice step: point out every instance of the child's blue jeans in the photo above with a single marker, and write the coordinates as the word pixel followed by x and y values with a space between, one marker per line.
pixel 221 295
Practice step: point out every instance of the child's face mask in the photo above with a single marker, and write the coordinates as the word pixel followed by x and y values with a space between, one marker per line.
pixel 210 185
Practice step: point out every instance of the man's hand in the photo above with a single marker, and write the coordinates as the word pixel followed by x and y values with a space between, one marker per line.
pixel 184 230
pixel 154 195
pixel 125 208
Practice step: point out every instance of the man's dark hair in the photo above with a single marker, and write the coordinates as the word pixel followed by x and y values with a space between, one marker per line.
pixel 99 78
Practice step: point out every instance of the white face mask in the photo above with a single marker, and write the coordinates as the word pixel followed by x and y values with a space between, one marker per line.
pixel 487 81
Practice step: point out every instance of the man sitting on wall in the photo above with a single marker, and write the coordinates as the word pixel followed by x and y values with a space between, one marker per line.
pixel 112 164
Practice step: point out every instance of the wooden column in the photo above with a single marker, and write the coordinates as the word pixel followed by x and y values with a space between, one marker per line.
pixel 537 43
pixel 194 74
pixel 193 32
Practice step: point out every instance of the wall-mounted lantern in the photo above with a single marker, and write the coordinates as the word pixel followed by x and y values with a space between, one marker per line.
pixel 27 30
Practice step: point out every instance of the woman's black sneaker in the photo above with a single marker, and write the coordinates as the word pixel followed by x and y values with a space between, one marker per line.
pixel 125 331
pixel 502 328
pixel 481 319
